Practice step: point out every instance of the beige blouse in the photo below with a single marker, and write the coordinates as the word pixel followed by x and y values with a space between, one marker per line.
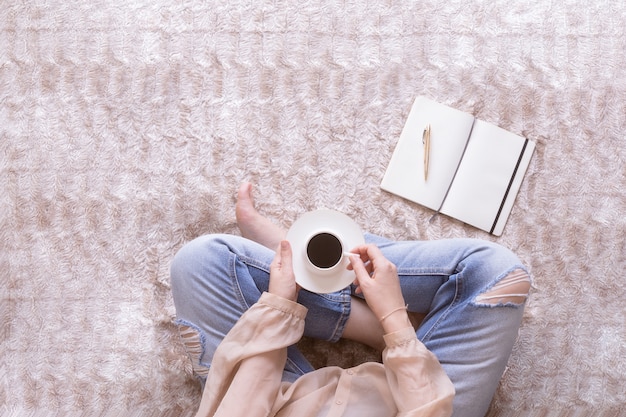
pixel 245 375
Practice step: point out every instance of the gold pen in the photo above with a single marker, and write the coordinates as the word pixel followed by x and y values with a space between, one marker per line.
pixel 426 143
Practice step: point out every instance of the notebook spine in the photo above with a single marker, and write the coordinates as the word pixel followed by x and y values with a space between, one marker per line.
pixel 508 188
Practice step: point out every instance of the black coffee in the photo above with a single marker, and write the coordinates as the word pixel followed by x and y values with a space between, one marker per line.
pixel 324 250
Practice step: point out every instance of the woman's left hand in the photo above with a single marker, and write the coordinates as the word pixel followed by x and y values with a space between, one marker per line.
pixel 282 278
pixel 378 280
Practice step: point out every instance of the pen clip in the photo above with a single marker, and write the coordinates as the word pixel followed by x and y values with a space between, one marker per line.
pixel 426 134
pixel 426 143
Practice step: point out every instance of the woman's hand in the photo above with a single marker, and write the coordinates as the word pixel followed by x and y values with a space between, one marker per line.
pixel 377 279
pixel 282 278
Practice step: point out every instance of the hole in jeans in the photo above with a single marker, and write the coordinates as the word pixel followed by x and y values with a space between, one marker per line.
pixel 512 289
pixel 193 345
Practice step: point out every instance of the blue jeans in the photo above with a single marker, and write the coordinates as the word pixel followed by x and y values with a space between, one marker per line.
pixel 215 278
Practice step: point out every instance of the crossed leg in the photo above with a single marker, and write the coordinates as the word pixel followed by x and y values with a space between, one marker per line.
pixel 472 291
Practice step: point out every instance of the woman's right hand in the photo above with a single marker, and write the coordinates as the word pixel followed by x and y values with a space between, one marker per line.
pixel 377 278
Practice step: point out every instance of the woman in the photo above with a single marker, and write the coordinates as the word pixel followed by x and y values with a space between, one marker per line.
pixel 240 315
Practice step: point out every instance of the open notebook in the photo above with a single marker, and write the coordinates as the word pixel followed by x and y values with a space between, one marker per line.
pixel 475 168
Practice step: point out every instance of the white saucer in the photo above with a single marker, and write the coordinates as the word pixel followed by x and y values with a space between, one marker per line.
pixel 318 221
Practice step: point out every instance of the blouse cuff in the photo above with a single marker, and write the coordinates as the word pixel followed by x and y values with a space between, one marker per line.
pixel 400 337
pixel 282 304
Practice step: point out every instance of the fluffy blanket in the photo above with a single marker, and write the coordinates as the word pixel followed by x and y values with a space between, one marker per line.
pixel 126 127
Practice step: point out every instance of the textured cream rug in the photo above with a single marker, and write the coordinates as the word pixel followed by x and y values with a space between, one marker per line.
pixel 126 127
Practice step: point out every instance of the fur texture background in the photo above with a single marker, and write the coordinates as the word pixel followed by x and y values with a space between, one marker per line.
pixel 126 127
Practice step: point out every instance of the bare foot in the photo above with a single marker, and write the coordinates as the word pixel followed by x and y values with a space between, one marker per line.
pixel 252 224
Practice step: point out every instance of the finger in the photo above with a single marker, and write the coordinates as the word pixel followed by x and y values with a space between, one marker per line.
pixel 369 267
pixel 361 252
pixel 359 268
pixel 374 253
pixel 286 256
pixel 277 261
pixel 377 261
pixel 368 253
pixel 367 264
pixel 357 287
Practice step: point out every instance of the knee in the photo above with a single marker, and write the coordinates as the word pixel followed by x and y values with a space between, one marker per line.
pixel 505 280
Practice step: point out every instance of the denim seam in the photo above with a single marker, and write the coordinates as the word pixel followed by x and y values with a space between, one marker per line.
pixel 294 365
pixel 458 288
pixel 344 299
pixel 234 279
pixel 425 271
pixel 253 262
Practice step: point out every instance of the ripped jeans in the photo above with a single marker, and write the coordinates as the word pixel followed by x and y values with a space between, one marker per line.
pixel 472 292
